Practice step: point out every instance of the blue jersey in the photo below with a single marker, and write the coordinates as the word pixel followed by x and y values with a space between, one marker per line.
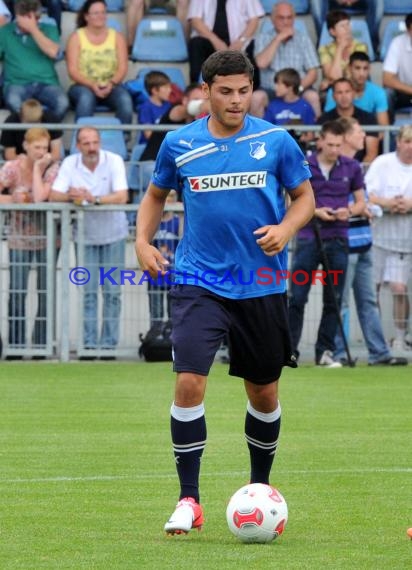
pixel 230 187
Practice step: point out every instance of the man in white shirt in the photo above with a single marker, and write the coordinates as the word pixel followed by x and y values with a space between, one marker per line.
pixel 389 184
pixel 282 46
pixel 397 68
pixel 220 24
pixel 98 177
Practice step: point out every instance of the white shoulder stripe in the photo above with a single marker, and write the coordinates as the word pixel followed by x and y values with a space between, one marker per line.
pixel 194 151
pixel 256 135
pixel 180 162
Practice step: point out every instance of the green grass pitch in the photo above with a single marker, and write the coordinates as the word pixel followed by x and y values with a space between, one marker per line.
pixel 88 480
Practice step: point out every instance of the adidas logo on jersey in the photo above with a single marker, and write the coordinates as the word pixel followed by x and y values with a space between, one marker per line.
pixel 229 181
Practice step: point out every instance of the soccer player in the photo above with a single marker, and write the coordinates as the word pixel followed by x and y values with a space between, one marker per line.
pixel 231 169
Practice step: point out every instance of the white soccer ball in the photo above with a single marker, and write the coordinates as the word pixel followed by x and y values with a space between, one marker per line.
pixel 257 513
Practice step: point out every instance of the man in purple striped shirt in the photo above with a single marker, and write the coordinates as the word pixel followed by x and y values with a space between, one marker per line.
pixel 334 178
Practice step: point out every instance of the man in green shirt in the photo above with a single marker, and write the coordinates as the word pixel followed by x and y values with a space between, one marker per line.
pixel 29 50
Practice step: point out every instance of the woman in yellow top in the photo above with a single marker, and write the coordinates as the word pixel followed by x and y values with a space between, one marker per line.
pixel 334 57
pixel 97 61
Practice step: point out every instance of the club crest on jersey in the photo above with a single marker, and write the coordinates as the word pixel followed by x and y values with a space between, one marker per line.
pixel 257 150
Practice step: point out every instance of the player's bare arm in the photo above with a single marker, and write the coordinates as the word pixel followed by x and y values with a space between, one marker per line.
pixel 148 220
pixel 301 210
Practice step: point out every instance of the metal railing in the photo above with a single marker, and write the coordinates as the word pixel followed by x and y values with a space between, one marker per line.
pixel 62 318
pixel 61 299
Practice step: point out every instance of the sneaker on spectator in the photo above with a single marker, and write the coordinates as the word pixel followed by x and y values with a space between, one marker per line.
pixel 399 345
pixel 327 361
pixel 187 515
pixel 345 362
pixel 391 361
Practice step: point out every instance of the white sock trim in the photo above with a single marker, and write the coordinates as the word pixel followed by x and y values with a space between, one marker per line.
pixel 187 414
pixel 268 418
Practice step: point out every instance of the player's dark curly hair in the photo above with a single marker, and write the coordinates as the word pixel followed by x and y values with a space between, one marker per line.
pixel 226 62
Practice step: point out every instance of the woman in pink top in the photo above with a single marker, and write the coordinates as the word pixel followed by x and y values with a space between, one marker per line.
pixel 28 179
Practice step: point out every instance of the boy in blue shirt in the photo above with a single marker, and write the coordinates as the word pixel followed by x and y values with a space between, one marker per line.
pixel 288 108
pixel 159 87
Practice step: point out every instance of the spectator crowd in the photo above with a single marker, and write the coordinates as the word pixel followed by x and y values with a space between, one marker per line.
pixel 297 83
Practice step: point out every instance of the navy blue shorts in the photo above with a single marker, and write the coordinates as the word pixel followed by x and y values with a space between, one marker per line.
pixel 257 330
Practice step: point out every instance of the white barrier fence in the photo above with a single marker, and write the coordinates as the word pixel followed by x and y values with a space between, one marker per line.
pixel 61 316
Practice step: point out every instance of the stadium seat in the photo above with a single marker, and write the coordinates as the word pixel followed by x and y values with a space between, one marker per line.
pixel 137 178
pixel 112 5
pixel 174 73
pixel 301 6
pixel 159 39
pixel 401 121
pixel 360 32
pixel 133 174
pixel 392 29
pixel 112 140
pixel 397 6
pixel 115 24
pixel 45 19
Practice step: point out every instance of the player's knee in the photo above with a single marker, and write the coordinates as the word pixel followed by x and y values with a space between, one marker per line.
pixel 264 398
pixel 190 389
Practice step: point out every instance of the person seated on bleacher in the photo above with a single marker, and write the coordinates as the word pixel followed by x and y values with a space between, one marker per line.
pixel 281 47
pixel 373 9
pixel 334 57
pixel 159 87
pixel 136 10
pixel 288 108
pixel 30 112
pixel 54 10
pixel 343 95
pixel 218 25
pixel 193 106
pixel 29 50
pixel 368 95
pixel 97 62
pixel 397 69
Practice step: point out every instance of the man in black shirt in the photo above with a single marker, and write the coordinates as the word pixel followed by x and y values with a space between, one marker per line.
pixel 343 93
pixel 31 112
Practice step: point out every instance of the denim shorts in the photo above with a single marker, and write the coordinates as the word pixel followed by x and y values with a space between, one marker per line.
pixel 257 331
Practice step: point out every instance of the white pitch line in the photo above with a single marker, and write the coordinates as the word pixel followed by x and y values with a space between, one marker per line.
pixel 67 479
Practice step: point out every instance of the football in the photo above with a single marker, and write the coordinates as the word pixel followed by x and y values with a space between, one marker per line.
pixel 257 513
